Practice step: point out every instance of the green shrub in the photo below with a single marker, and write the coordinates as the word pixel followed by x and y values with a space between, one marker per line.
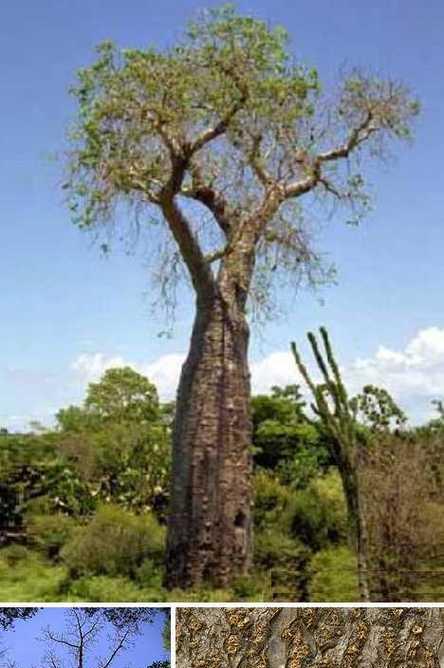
pixel 271 498
pixel 14 554
pixel 115 542
pixel 105 589
pixel 284 559
pixel 50 532
pixel 317 515
pixel 252 588
pixel 149 574
pixel 27 576
pixel 201 595
pixel 333 576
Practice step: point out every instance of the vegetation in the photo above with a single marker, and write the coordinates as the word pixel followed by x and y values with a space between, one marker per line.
pixel 84 510
pixel 217 140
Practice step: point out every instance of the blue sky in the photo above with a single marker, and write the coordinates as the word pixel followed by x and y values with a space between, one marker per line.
pixel 26 650
pixel 67 313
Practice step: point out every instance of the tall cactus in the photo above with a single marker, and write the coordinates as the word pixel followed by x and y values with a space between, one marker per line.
pixel 332 406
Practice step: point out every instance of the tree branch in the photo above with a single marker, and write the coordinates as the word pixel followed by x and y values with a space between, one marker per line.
pixel 218 254
pixel 302 186
pixel 257 163
pixel 199 269
pixel 61 640
pixel 356 137
pixel 210 197
pixel 219 129
pixel 116 650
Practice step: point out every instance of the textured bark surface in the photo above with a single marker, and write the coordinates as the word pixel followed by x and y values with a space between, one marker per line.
pixel 209 524
pixel 305 637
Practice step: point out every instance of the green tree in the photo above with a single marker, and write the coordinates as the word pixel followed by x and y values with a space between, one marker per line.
pixel 284 440
pixel 377 410
pixel 119 440
pixel 219 138
pixel 32 467
pixel 123 393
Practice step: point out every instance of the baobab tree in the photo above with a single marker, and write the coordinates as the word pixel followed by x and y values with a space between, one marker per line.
pixel 220 139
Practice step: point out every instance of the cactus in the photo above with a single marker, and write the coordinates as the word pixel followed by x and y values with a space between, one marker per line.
pixel 333 407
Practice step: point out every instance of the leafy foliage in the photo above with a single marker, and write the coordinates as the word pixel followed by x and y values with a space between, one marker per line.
pixel 8 616
pixel 377 410
pixel 224 119
pixel 114 542
pixel 70 541
pixel 285 441
pixel 118 441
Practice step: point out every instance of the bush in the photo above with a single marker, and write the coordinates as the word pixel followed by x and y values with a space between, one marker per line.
pixel 284 558
pixel 404 514
pixel 26 576
pixel 105 589
pixel 115 542
pixel 201 595
pixel 149 574
pixel 333 576
pixel 252 588
pixel 271 498
pixel 317 515
pixel 50 532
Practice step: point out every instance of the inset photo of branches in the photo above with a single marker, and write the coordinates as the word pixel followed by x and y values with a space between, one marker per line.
pixel 310 637
pixel 78 637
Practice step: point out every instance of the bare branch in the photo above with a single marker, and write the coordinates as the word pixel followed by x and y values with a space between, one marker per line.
pixel 356 137
pixel 218 254
pixel 61 640
pixel 302 186
pixel 328 185
pixel 116 650
pixel 212 198
pixel 257 163
pixel 200 272
pixel 218 130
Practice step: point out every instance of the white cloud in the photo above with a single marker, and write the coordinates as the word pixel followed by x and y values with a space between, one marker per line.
pixel 418 370
pixel 278 368
pixel 413 375
pixel 91 366
pixel 163 372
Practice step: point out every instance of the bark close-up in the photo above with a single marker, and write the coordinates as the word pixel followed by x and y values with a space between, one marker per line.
pixel 305 637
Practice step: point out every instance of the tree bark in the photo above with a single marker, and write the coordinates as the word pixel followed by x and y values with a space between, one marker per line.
pixel 310 637
pixel 209 532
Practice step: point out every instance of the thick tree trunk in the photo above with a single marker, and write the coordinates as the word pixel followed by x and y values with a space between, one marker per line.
pixel 310 637
pixel 209 533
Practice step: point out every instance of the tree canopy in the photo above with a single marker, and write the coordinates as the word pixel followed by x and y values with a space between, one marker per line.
pixel 236 127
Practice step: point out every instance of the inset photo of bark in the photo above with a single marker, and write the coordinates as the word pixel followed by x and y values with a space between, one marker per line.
pixel 76 637
pixel 310 637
